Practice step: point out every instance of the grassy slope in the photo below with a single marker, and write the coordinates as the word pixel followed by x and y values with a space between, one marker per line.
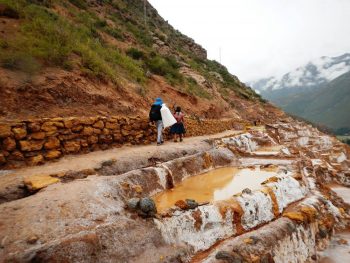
pixel 68 34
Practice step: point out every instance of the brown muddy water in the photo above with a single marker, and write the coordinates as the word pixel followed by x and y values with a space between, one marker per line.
pixel 218 184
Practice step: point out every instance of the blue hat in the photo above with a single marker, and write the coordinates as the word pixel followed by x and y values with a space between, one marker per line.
pixel 158 101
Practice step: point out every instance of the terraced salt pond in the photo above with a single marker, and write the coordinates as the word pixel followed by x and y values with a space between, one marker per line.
pixel 215 185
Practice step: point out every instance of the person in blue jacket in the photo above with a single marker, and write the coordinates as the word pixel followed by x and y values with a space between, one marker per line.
pixel 156 117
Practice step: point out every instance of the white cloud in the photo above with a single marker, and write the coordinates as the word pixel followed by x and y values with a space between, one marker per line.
pixel 262 38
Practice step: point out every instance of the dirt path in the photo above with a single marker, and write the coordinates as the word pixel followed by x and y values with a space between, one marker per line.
pixel 93 160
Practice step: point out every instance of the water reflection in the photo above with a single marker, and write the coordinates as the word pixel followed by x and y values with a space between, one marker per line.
pixel 219 184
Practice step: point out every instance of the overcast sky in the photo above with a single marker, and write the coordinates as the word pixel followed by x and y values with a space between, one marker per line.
pixel 262 38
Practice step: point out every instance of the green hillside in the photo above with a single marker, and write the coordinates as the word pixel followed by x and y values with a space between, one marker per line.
pixel 329 106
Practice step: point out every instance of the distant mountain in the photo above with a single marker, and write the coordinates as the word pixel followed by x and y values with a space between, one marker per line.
pixel 329 105
pixel 309 77
pixel 318 91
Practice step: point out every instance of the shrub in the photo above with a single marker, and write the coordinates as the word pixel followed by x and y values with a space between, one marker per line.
pixel 114 32
pixel 79 3
pixel 135 53
pixel 20 61
pixel 194 89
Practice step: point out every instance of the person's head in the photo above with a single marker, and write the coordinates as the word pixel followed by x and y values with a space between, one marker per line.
pixel 158 101
pixel 178 109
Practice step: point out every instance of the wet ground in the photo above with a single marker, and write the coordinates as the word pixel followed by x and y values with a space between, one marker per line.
pixel 219 184
pixel 339 248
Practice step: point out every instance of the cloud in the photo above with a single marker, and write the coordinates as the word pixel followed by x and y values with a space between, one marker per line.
pixel 262 38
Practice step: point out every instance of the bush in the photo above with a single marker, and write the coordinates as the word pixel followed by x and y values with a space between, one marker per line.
pixel 114 32
pixel 19 61
pixel 79 3
pixel 194 89
pixel 135 53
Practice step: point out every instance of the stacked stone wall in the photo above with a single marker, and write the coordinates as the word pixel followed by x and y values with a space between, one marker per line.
pixel 33 142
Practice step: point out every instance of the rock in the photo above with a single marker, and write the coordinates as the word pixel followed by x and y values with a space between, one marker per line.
pixel 138 189
pixel 51 126
pixel 54 154
pixel 99 125
pixel 182 204
pixel 52 143
pixel 17 156
pixel 88 131
pixel 112 126
pixel 9 144
pixel 38 135
pixel 247 191
pixel 106 138
pixel 5 131
pixel 78 128
pixel 35 160
pixel 34 127
pixel 2 158
pixel 192 204
pixel 28 146
pixel 323 233
pixel 37 182
pixel 69 123
pixel 97 131
pixel 19 133
pixel 72 146
pixel 229 257
pixel 133 203
pixel 147 206
pixel 32 240
pixel 92 139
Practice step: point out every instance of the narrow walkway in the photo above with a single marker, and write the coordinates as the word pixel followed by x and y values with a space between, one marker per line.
pixel 94 160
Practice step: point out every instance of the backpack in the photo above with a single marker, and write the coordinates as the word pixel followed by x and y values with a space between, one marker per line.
pixel 154 114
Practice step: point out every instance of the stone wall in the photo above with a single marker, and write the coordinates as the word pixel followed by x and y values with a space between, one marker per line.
pixel 32 142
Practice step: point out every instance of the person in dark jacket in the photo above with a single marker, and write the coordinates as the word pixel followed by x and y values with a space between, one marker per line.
pixel 156 117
